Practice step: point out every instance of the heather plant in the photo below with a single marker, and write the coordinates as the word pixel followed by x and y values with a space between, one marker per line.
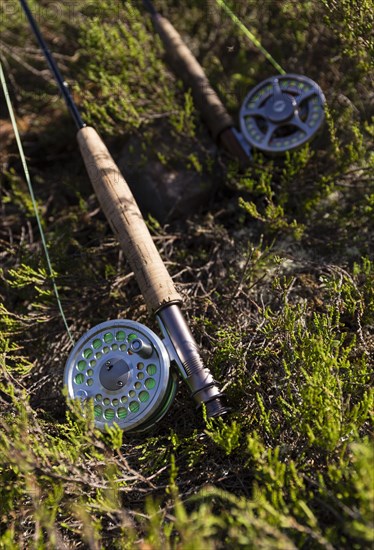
pixel 276 272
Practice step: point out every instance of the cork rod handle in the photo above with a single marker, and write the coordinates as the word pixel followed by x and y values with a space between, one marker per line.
pixel 126 221
pixel 191 72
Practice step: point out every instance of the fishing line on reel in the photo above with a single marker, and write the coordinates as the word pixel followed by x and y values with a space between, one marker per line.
pixel 282 113
pixel 125 368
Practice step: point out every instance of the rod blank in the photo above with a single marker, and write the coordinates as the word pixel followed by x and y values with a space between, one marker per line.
pixel 62 84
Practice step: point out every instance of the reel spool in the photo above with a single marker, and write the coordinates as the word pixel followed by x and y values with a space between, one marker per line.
pixel 124 368
pixel 282 113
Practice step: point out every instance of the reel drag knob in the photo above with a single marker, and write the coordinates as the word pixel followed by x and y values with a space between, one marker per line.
pixel 282 113
pixel 125 369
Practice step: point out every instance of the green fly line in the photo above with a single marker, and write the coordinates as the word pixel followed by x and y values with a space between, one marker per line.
pixel 235 19
pixel 32 195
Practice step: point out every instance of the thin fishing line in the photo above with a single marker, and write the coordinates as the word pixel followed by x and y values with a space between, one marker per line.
pixel 235 19
pixel 31 191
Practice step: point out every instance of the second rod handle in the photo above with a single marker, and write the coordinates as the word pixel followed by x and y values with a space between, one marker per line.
pixel 126 221
pixel 191 72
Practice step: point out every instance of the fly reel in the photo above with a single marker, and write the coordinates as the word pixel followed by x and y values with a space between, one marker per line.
pixel 124 368
pixel 282 113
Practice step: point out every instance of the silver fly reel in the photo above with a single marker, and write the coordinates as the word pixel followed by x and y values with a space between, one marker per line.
pixel 125 369
pixel 282 113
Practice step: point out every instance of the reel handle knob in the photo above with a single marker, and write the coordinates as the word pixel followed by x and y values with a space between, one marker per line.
pixel 141 348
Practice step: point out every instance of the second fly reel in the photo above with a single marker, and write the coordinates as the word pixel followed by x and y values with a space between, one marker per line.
pixel 282 113
pixel 124 368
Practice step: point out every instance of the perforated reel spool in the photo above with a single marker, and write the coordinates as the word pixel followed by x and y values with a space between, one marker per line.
pixel 282 113
pixel 125 369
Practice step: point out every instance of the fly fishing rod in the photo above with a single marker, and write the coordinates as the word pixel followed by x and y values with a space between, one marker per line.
pixel 123 366
pixel 280 114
